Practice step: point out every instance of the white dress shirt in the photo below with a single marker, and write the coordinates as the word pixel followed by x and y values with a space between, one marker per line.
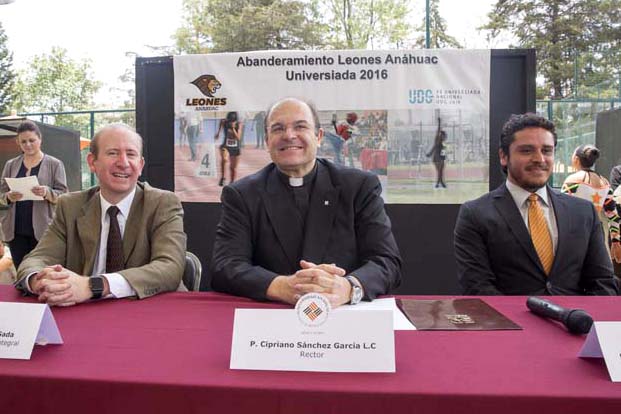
pixel 119 287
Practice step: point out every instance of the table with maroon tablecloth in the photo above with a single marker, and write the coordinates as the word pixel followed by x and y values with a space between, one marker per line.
pixel 170 354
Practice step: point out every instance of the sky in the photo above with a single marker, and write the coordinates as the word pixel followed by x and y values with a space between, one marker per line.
pixel 111 32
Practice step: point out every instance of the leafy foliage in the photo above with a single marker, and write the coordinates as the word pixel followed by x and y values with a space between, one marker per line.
pixel 243 25
pixel 362 24
pixel 577 41
pixel 439 38
pixel 7 75
pixel 56 83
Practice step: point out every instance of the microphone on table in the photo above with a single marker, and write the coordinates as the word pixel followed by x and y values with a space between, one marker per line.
pixel 576 321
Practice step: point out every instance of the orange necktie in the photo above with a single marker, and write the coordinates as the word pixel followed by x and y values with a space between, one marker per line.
pixel 540 233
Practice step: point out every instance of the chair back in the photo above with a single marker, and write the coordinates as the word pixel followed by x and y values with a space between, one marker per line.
pixel 192 272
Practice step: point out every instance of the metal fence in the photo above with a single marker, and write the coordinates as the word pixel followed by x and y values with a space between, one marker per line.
pixel 574 120
pixel 575 125
pixel 86 123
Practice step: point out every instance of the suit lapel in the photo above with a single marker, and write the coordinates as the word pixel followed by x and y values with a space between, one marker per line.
pixel 132 225
pixel 505 205
pixel 562 215
pixel 280 209
pixel 321 213
pixel 89 231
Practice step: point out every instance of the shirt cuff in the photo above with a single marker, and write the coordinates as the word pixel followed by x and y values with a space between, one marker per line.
pixel 119 287
pixel 28 282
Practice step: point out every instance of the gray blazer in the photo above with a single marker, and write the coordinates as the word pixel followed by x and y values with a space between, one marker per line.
pixel 52 175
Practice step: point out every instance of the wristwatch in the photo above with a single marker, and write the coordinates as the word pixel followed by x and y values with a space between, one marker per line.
pixel 96 284
pixel 356 290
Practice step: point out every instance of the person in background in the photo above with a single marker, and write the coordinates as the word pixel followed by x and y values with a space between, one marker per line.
pixel 259 129
pixel 345 130
pixel 183 130
pixel 615 177
pixel 193 131
pixel 26 221
pixel 7 270
pixel 230 150
pixel 591 186
pixel 438 156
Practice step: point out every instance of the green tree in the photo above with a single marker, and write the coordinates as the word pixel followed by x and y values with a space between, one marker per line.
pixel 56 83
pixel 7 76
pixel 438 36
pixel 367 24
pixel 243 25
pixel 576 40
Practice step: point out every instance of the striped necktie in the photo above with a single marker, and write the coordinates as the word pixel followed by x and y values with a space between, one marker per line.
pixel 540 233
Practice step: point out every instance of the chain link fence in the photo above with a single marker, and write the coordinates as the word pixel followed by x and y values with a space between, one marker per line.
pixel 574 120
pixel 86 123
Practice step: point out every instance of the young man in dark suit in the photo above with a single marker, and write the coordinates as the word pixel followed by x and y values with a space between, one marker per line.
pixel 304 224
pixel 523 238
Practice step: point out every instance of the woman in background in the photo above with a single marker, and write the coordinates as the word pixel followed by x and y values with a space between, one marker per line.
pixel 26 221
pixel 589 185
pixel 230 150
pixel 438 156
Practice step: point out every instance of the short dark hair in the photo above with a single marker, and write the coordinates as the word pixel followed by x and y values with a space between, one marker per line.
pixel 587 155
pixel 29 125
pixel 516 123
pixel 94 147
pixel 309 104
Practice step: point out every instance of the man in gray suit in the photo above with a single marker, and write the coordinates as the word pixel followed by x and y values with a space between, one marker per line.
pixel 120 239
pixel 523 238
pixel 303 224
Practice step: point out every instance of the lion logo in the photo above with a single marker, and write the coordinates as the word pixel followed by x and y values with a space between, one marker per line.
pixel 208 84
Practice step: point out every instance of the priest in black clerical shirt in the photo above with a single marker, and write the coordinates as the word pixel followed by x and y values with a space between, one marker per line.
pixel 304 224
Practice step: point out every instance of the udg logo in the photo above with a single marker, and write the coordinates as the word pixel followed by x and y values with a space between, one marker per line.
pixel 208 85
pixel 420 96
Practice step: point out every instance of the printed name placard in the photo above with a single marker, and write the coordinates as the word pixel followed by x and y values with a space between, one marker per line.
pixel 604 341
pixel 311 338
pixel 24 324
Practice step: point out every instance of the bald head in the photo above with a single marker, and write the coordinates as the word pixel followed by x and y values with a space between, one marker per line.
pixel 118 127
pixel 310 106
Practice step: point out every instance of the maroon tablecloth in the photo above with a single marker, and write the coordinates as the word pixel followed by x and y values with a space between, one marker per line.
pixel 170 353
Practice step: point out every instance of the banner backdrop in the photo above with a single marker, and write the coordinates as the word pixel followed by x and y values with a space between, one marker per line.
pixel 419 119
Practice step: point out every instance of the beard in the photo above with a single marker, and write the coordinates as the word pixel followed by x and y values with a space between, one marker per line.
pixel 532 177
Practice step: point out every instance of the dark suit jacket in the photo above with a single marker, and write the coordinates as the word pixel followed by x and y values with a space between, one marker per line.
pixel 153 242
pixel 495 254
pixel 346 225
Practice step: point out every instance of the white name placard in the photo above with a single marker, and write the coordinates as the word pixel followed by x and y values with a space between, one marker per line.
pixel 604 341
pixel 24 324
pixel 276 339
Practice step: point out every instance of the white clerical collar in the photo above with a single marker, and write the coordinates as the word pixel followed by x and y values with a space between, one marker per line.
pixel 296 181
pixel 124 205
